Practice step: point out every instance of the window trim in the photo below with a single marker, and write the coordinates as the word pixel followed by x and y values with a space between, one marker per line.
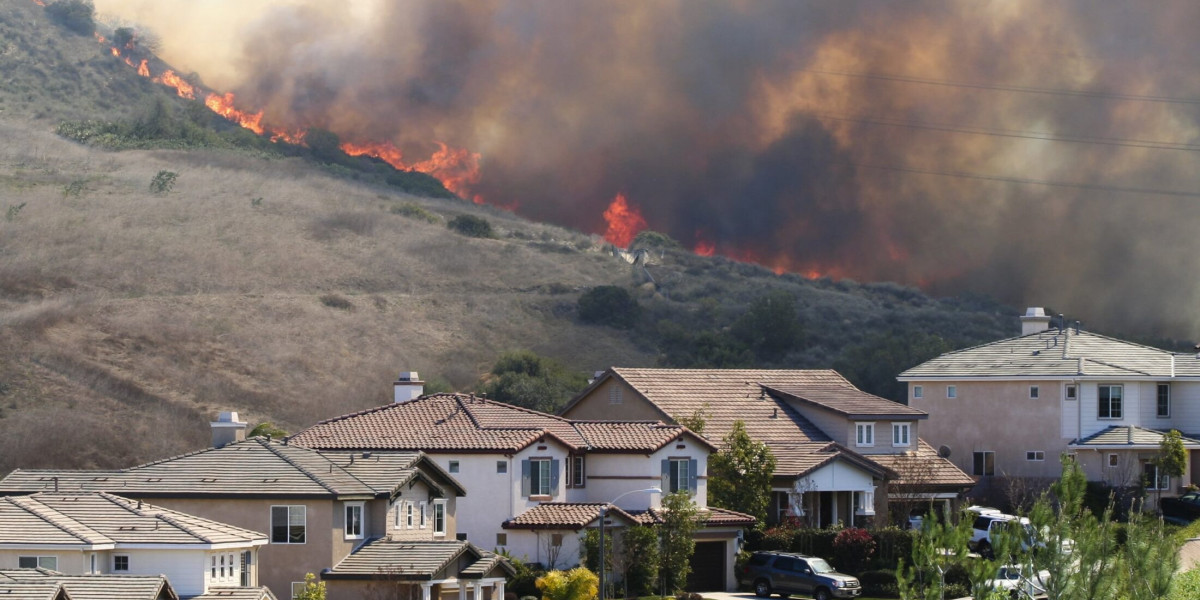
pixel 679 474
pixel 423 505
pixel 1158 400
pixel 906 427
pixel 453 466
pixel 983 466
pixel 951 392
pixel 918 391
pixel 1070 392
pixel 537 477
pixel 398 521
pixel 116 564
pixel 348 508
pixel 439 513
pixel 860 440
pixel 1114 460
pixel 1035 392
pixel 1120 402
pixel 38 558
pixel 1035 455
pixel 502 467
pixel 304 527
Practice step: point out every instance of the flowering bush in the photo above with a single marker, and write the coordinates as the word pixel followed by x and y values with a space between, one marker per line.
pixel 852 549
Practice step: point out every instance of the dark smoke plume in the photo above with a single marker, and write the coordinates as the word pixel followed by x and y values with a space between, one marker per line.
pixel 1014 148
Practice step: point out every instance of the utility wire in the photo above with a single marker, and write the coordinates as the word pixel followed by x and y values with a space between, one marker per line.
pixel 1009 88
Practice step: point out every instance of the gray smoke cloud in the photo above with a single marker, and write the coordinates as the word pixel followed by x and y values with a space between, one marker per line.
pixel 915 142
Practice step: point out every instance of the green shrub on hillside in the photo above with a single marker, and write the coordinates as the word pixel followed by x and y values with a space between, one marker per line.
pixel 523 378
pixel 413 211
pixel 471 226
pixel 609 305
pixel 76 15
pixel 418 184
pixel 163 182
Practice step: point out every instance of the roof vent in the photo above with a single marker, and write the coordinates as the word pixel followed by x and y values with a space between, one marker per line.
pixel 1035 320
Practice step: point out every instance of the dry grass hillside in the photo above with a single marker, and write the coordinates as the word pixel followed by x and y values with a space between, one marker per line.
pixel 292 291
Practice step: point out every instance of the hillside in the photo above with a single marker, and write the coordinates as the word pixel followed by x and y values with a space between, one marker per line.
pixel 291 291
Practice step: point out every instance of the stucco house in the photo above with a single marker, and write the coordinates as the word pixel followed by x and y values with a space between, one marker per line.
pixel 537 481
pixel 838 449
pixel 90 533
pixel 320 509
pixel 21 584
pixel 1014 406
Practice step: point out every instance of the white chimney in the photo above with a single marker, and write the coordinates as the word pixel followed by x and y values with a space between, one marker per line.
pixel 1035 320
pixel 227 429
pixel 408 387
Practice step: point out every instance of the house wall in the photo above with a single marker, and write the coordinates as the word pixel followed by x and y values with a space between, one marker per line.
pixel 184 569
pixel 537 546
pixel 608 476
pixel 597 405
pixel 70 561
pixel 384 523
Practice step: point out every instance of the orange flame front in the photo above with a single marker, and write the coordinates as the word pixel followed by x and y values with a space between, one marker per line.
pixel 703 247
pixel 183 88
pixel 624 222
pixel 456 168
pixel 144 68
pixel 223 105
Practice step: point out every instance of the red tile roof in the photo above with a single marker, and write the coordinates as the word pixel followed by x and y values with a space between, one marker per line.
pixel 465 423
pixel 711 517
pixel 564 515
pixel 923 468
pixel 842 397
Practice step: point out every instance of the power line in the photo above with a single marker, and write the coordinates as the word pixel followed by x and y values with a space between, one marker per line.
pixel 1009 88
pixel 1031 135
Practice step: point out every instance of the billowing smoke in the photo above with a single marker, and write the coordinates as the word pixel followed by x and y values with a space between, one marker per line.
pixel 1045 153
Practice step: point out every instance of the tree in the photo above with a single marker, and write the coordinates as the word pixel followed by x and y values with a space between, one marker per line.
pixel 576 584
pixel 697 421
pixel 638 560
pixel 524 378
pixel 76 15
pixel 873 364
pixel 677 533
pixel 325 145
pixel 266 429
pixel 609 305
pixel 313 589
pixel 1172 456
pixel 740 474
pixel 770 327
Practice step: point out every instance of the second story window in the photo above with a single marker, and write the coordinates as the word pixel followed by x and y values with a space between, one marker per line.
pixel 679 475
pixel 1071 392
pixel 1109 401
pixel 121 562
pixel 539 477
pixel 453 466
pixel 422 511
pixel 439 517
pixel 984 463
pixel 952 391
pixel 1034 392
pixel 918 391
pixel 287 524
pixel 1164 400
pixel 900 433
pixel 864 434
pixel 576 477
pixel 354 521
pixel 408 519
pixel 34 562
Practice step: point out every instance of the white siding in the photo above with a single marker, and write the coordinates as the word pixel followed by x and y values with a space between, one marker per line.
pixel 185 569
pixel 1185 407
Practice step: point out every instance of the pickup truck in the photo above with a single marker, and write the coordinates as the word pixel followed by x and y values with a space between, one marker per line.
pixel 1183 509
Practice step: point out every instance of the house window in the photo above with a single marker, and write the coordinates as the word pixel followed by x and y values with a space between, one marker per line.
pixel 297 589
pixel 1071 393
pixel 439 517
pixel 408 518
pixel 984 463
pixel 1154 479
pixel 224 568
pixel 1035 455
pixel 900 434
pixel 952 391
pixel 1164 400
pixel 614 394
pixel 1034 392
pixel 93 565
pixel 866 503
pixel 1109 397
pixel 121 562
pixel 539 476
pixel 354 521
pixel 34 562
pixel 679 475
pixel 576 476
pixel 502 466
pixel 399 519
pixel 918 391
pixel 454 466
pixel 556 539
pixel 287 524
pixel 501 539
pixel 864 434
pixel 422 511
pixel 1114 460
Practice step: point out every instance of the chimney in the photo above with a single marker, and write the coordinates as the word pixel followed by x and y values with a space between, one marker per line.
pixel 408 387
pixel 1035 320
pixel 227 429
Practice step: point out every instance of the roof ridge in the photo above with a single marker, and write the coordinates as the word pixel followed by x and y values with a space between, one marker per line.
pixel 162 514
pixel 40 510
pixel 310 475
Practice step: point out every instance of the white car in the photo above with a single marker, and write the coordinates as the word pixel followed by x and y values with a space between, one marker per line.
pixel 1012 578
pixel 988 524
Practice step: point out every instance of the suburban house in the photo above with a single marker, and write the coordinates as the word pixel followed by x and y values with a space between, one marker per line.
pixel 324 512
pixel 1013 407
pixel 89 533
pixel 839 450
pixel 538 481
pixel 44 584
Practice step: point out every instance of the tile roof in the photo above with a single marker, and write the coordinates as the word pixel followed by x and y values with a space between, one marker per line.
pixel 564 515
pixel 929 470
pixel 33 590
pixel 710 517
pixel 413 561
pixel 1132 436
pixel 101 519
pixel 1054 353
pixel 845 399
pixel 236 593
pixel 465 423
pixel 257 467
pixel 98 587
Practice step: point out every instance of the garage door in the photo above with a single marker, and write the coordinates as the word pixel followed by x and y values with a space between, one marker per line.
pixel 708 568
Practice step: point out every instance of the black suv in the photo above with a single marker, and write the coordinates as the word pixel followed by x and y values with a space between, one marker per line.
pixel 784 573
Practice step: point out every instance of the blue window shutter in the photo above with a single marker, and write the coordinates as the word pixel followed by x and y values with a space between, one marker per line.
pixel 666 476
pixel 555 466
pixel 525 478
pixel 692 476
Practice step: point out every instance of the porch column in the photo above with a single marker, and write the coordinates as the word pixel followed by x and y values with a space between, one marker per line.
pixel 853 506
pixel 425 589
pixel 477 588
pixel 462 590
pixel 834 513
pixel 499 593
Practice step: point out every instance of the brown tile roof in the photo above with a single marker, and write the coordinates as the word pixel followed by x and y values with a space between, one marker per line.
pixel 800 460
pixel 929 470
pixel 236 593
pixel 464 423
pixel 101 519
pixel 843 398
pixel 98 587
pixel 412 561
pixel 711 517
pixel 257 467
pixel 1129 435
pixel 564 515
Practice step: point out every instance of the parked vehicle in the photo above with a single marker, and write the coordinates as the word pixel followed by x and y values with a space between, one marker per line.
pixel 1183 509
pixel 784 573
pixel 1013 579
pixel 989 524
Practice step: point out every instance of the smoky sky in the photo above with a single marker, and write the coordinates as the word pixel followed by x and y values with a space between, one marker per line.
pixel 1013 148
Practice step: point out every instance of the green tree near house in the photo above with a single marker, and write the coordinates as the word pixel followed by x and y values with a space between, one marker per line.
pixel 677 535
pixel 1172 456
pixel 740 474
pixel 524 378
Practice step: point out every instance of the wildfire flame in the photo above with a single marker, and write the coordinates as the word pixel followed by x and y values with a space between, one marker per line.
pixel 99 38
pixel 144 69
pixel 223 105
pixel 170 79
pixel 703 247
pixel 624 222
pixel 115 52
pixel 456 168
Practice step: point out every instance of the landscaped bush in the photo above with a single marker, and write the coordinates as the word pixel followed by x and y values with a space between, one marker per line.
pixel 879 583
pixel 815 542
pixel 471 226
pixel 892 544
pixel 852 549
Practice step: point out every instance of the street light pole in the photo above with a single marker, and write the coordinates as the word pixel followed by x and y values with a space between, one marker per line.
pixel 603 566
